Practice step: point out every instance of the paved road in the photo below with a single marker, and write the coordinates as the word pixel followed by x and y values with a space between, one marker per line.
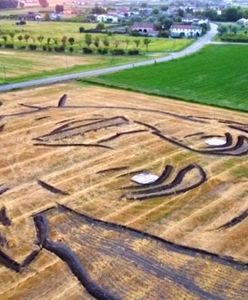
pixel 196 46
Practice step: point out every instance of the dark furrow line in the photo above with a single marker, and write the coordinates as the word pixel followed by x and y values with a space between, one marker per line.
pixel 147 125
pixel 193 134
pixel 238 128
pixel 62 100
pixel 117 135
pixel 72 261
pixel 73 145
pixel 240 218
pixel 4 219
pixel 3 189
pixel 170 246
pixel 51 188
pixel 227 152
pixel 2 127
pixel 42 118
pixel 93 123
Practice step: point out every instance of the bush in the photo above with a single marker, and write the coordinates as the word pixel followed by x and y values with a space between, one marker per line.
pixel 87 50
pixel 133 52
pixel 71 49
pixel 118 52
pixel 22 47
pixel 237 38
pixel 32 47
pixel 49 49
pixel 102 51
pixel 59 49
pixel 81 29
pixel 9 46
pixel 44 48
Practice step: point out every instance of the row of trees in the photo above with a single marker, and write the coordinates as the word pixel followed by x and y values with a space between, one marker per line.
pixel 91 42
pixel 231 14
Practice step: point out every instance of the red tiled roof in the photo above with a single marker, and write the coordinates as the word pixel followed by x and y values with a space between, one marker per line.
pixel 143 25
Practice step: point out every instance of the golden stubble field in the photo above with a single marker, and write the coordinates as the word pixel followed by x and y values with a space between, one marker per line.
pixel 63 169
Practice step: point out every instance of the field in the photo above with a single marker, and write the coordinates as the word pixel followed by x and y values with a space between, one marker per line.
pixel 60 29
pixel 217 76
pixel 18 66
pixel 73 223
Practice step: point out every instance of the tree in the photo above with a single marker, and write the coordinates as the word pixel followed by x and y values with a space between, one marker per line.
pixel 137 43
pixel 127 41
pixel 43 3
pixel 59 8
pixel 106 42
pixel 71 40
pixel 222 30
pixel 116 43
pixel 97 41
pixel 40 38
pixel 97 10
pixel 88 39
pixel 20 38
pixel 64 41
pixel 26 37
pixel 231 14
pixel 146 42
pixel 12 35
pixel 100 26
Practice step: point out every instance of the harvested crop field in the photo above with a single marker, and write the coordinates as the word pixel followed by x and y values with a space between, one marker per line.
pixel 108 194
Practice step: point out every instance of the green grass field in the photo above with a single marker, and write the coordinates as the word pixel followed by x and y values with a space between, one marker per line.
pixel 60 29
pixel 217 75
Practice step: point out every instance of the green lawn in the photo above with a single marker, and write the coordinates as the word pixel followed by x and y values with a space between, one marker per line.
pixel 60 29
pixel 217 75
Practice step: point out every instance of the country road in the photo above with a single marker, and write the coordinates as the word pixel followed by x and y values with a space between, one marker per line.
pixel 196 46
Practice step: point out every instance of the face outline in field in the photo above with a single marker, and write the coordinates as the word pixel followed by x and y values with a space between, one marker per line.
pixel 98 132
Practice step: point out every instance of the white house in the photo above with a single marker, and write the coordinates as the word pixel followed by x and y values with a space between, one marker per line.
pixel 243 22
pixel 181 30
pixel 107 18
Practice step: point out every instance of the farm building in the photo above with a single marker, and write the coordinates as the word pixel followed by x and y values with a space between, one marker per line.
pixel 107 18
pixel 180 30
pixel 145 29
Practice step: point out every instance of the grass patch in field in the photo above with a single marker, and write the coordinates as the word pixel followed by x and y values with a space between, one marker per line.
pixel 217 76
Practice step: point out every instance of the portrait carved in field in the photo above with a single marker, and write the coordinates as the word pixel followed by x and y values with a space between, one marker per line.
pixel 107 201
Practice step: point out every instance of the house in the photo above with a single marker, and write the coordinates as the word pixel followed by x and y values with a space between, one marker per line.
pixel 107 18
pixel 145 29
pixel 181 31
pixel 28 3
pixel 243 22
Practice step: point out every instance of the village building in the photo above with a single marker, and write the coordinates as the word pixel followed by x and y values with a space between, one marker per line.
pixel 147 29
pixel 182 30
pixel 108 18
